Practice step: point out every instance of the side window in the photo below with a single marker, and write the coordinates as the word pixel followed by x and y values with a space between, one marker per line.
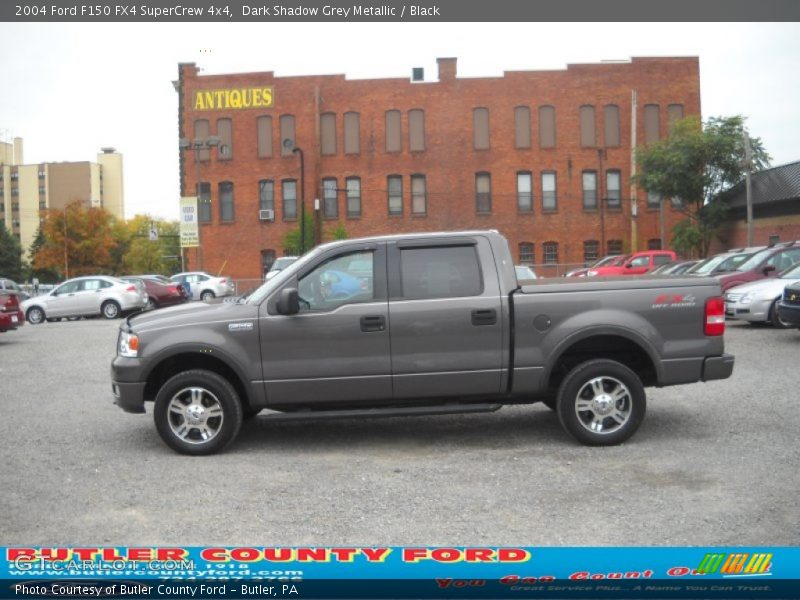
pixel 68 288
pixel 640 261
pixel 662 259
pixel 441 272
pixel 346 279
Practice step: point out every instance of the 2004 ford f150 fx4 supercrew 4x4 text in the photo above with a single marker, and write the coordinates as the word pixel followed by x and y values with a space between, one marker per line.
pixel 419 324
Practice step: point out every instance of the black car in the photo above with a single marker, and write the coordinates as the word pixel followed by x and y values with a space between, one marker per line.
pixel 789 305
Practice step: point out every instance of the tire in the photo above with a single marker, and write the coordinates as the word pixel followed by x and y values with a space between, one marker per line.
pixel 203 430
pixel 151 304
pixel 601 402
pixel 35 315
pixel 110 309
pixel 775 318
pixel 207 295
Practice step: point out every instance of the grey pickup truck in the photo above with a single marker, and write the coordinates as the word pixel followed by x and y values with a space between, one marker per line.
pixel 419 324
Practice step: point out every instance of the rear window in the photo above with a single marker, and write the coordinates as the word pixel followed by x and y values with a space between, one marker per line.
pixel 440 272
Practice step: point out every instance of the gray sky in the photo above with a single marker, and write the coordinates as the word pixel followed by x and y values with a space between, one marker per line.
pixel 70 89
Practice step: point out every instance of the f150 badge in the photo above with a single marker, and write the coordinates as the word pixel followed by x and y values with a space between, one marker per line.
pixel 674 301
pixel 248 326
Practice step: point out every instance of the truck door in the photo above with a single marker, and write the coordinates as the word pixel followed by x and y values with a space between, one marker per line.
pixel 336 349
pixel 446 318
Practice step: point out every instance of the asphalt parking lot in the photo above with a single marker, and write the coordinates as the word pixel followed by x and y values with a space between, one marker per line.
pixel 713 464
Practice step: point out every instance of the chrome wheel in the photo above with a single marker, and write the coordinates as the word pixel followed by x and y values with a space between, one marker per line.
pixel 111 310
pixel 35 315
pixel 603 405
pixel 195 415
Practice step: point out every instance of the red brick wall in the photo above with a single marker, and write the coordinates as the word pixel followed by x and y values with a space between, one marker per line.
pixel 734 233
pixel 449 160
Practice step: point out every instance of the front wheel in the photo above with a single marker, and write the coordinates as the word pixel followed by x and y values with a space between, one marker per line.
pixel 775 318
pixel 601 402
pixel 35 315
pixel 197 412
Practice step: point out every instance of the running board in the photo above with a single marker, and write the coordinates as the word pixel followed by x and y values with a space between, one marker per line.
pixel 395 411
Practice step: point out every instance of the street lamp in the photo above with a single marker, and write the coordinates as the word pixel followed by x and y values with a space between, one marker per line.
pixel 288 143
pixel 198 145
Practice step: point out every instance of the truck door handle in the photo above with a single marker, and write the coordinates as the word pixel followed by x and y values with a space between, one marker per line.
pixel 484 317
pixel 373 323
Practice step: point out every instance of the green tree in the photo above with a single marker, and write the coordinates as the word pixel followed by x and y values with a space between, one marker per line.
pixel 42 274
pixel 339 233
pixel 143 255
pixel 291 241
pixel 10 255
pixel 694 164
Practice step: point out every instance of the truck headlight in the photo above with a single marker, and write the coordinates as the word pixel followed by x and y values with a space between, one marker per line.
pixel 128 345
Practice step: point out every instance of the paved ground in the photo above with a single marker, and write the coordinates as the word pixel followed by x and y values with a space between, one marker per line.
pixel 713 464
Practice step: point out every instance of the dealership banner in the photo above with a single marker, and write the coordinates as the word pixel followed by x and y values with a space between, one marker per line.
pixel 190 237
pixel 399 572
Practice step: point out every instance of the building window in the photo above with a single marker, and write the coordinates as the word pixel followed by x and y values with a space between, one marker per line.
pixel 42 205
pixel 611 125
pixel 226 212
pixel 41 190
pixel 352 133
pixel 289 195
pixel 547 127
pixel 353 185
pixel 15 207
pixel 14 192
pixel 480 128
pixel 550 253
pixel 674 113
pixel 393 137
pixel 41 174
pixel 676 203
pixel 526 253
pixel 651 123
pixel 330 195
pixel 588 134
pixel 614 247
pixel 654 244
pixel 266 194
pixel 524 192
pixel 267 260
pixel 204 202
pixel 773 239
pixel 287 133
pixel 483 193
pixel 202 131
pixel 327 134
pixel 549 198
pixel 225 135
pixel 264 136
pixel 522 127
pixel 589 190
pixel 590 250
pixel 653 200
pixel 395 186
pixel 416 130
pixel 419 195
pixel 613 188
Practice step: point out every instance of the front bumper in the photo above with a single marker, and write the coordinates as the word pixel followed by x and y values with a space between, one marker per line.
pixel 127 391
pixel 756 311
pixel 718 367
pixel 789 313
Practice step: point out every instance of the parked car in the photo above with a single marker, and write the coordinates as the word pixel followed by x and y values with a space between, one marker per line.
pixel 160 290
pixel 86 296
pixel 789 306
pixel 11 286
pixel 757 301
pixel 766 263
pixel 279 265
pixel 637 263
pixel 524 273
pixel 723 262
pixel 675 268
pixel 11 316
pixel 613 260
pixel 203 286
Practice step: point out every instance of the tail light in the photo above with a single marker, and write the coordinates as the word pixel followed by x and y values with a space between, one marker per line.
pixel 173 289
pixel 715 316
pixel 11 304
pixel 223 280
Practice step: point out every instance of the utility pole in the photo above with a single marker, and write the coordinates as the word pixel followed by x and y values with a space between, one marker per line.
pixel 748 167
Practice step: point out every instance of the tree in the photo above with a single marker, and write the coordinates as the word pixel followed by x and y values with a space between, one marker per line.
pixel 44 275
pixel 143 255
pixel 694 164
pixel 291 241
pixel 10 254
pixel 77 241
pixel 339 233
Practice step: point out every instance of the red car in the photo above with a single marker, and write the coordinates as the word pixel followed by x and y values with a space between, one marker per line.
pixel 11 316
pixel 638 263
pixel 160 290
pixel 766 263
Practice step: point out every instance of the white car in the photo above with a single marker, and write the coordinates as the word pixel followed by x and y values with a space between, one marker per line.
pixel 757 301
pixel 203 286
pixel 84 297
pixel 279 265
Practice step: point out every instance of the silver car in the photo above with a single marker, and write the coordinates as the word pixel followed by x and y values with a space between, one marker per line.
pixel 84 297
pixel 203 286
pixel 757 301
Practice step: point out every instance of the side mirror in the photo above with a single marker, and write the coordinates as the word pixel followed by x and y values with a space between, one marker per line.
pixel 769 269
pixel 288 301
pixel 629 266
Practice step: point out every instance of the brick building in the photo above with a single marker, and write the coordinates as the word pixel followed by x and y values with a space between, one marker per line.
pixel 544 157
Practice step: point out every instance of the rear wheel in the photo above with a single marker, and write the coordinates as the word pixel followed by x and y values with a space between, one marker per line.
pixel 775 318
pixel 197 412
pixel 601 402
pixel 151 304
pixel 207 295
pixel 35 315
pixel 110 309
